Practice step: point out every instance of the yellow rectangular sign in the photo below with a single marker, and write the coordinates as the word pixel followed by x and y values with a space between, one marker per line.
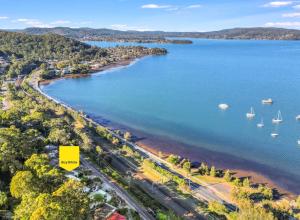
pixel 69 157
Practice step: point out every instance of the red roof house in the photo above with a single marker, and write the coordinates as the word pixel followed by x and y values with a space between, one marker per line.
pixel 116 216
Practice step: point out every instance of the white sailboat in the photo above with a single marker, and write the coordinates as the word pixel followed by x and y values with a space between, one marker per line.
pixel 299 142
pixel 250 114
pixel 261 124
pixel 278 119
pixel 298 117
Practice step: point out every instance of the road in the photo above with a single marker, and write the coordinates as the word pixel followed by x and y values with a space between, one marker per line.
pixel 201 192
pixel 119 191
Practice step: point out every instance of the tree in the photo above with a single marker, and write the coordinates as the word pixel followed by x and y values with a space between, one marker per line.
pixel 217 208
pixel 212 171
pixel 298 202
pixel 73 200
pixel 227 176
pixel 246 182
pixel 22 183
pixel 167 216
pixel 59 136
pixel 173 159
pixel 204 170
pixel 268 193
pixel 251 212
pixel 36 207
pixel 47 175
pixel 115 141
pixel 15 146
pixel 237 182
pixel 127 136
pixel 3 199
pixel 187 166
pixel 99 150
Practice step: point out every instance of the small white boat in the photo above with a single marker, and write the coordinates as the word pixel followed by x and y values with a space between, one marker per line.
pixel 223 106
pixel 250 114
pixel 261 124
pixel 278 119
pixel 298 117
pixel 274 135
pixel 299 142
pixel 268 101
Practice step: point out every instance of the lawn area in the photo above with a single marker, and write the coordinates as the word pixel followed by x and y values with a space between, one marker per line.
pixel 209 179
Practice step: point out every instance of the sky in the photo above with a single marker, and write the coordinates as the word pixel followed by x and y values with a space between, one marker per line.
pixel 149 15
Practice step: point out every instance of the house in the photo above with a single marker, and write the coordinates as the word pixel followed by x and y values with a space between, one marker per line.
pixel 70 176
pixel 102 193
pixel 103 211
pixel 66 70
pixel 116 216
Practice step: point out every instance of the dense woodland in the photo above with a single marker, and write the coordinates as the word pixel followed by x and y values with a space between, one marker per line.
pixel 25 52
pixel 30 187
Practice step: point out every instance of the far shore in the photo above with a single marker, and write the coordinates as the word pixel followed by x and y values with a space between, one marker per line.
pixel 258 173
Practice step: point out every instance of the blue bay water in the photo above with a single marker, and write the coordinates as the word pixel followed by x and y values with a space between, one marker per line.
pixel 177 96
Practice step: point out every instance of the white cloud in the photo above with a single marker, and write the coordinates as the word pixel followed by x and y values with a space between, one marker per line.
pixel 28 22
pixel 125 27
pixel 291 15
pixel 170 7
pixel 119 26
pixel 277 4
pixel 155 6
pixel 194 6
pixel 296 6
pixel 32 22
pixel 290 24
pixel 59 22
pixel 3 17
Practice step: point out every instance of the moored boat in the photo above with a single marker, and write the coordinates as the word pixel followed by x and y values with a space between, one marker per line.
pixel 223 106
pixel 298 117
pixel 278 119
pixel 261 124
pixel 274 135
pixel 250 114
pixel 268 101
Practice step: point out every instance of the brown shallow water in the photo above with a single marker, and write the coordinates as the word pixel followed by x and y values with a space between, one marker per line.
pixel 258 173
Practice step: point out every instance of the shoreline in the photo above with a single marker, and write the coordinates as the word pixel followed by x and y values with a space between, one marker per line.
pixel 122 63
pixel 257 173
pixel 154 144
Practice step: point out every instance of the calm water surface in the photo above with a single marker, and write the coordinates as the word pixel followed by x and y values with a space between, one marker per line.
pixel 177 96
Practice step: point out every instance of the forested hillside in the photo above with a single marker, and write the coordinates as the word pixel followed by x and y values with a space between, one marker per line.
pixel 50 46
pixel 262 33
pixel 24 52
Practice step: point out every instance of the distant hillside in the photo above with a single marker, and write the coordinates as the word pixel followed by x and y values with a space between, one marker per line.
pixel 255 33
pixel 259 33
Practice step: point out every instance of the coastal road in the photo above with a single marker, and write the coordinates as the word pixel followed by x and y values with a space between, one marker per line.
pixel 88 165
pixel 201 192
pixel 120 192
